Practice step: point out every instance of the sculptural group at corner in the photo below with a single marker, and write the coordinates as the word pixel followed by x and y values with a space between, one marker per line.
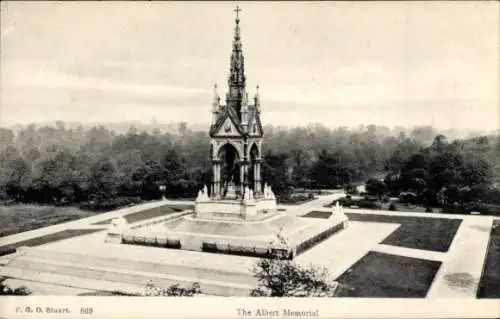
pixel 202 194
pixel 268 192
pixel 118 224
pixel 248 194
pixel 338 209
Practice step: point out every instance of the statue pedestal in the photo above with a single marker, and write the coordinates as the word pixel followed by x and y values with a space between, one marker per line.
pixel 235 207
pixel 235 210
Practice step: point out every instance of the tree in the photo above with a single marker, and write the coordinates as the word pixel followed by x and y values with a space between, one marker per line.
pixel 55 175
pixel 414 180
pixel 351 189
pixel 376 187
pixel 402 152
pixel 103 181
pixel 54 163
pixel 477 171
pixel 183 128
pixel 446 169
pixel 275 172
pixel 6 138
pixel 14 173
pixel 325 170
pixel 392 180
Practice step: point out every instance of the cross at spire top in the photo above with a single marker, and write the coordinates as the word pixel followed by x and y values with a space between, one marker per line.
pixel 237 10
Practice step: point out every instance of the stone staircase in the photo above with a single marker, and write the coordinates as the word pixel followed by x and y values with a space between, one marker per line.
pixel 125 275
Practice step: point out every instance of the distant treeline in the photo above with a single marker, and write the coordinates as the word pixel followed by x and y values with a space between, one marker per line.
pixel 100 169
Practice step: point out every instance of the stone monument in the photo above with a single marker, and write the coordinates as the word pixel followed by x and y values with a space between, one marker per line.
pixel 237 213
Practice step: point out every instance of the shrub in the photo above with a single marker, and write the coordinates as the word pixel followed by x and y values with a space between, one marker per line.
pixel 368 204
pixel 350 189
pixel 311 242
pixel 489 209
pixel 20 291
pixel 110 204
pixel 173 243
pixel 345 201
pixel 370 198
pixel 466 208
pixel 209 247
pixel 285 278
pixel 174 290
pixel 407 197
pixel 393 207
pixel 376 187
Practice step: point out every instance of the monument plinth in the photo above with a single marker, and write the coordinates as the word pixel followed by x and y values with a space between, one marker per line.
pixel 232 207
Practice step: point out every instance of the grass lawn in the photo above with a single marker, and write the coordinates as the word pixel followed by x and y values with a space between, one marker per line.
pixel 489 285
pixel 20 218
pixel 65 234
pixel 295 200
pixel 360 203
pixel 415 232
pixel 318 214
pixel 150 213
pixel 384 275
pixel 425 233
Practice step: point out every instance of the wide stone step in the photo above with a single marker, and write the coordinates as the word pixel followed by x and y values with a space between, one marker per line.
pixel 67 281
pixel 118 264
pixel 130 277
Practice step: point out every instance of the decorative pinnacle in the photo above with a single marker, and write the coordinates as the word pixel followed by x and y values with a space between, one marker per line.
pixel 216 95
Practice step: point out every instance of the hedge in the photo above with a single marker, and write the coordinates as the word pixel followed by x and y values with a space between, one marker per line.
pixel 313 241
pixel 244 251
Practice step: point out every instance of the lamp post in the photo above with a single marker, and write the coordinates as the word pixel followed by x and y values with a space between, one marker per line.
pixel 162 190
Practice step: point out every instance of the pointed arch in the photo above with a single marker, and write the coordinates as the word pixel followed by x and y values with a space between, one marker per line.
pixel 230 161
pixel 220 147
pixel 254 152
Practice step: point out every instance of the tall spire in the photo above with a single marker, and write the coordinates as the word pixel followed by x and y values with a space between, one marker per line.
pixel 236 79
pixel 237 27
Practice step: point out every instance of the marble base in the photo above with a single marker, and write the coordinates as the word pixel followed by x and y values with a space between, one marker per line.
pixel 239 237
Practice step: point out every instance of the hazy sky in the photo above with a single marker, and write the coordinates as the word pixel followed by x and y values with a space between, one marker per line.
pixel 399 63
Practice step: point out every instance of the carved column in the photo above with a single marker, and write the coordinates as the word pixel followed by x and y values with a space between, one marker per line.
pixel 255 189
pixel 216 178
pixel 257 176
pixel 242 177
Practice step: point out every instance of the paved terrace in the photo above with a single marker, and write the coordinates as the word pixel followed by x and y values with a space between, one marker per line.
pixel 462 262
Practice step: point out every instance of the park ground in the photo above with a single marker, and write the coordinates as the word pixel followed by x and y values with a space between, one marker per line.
pixel 380 254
